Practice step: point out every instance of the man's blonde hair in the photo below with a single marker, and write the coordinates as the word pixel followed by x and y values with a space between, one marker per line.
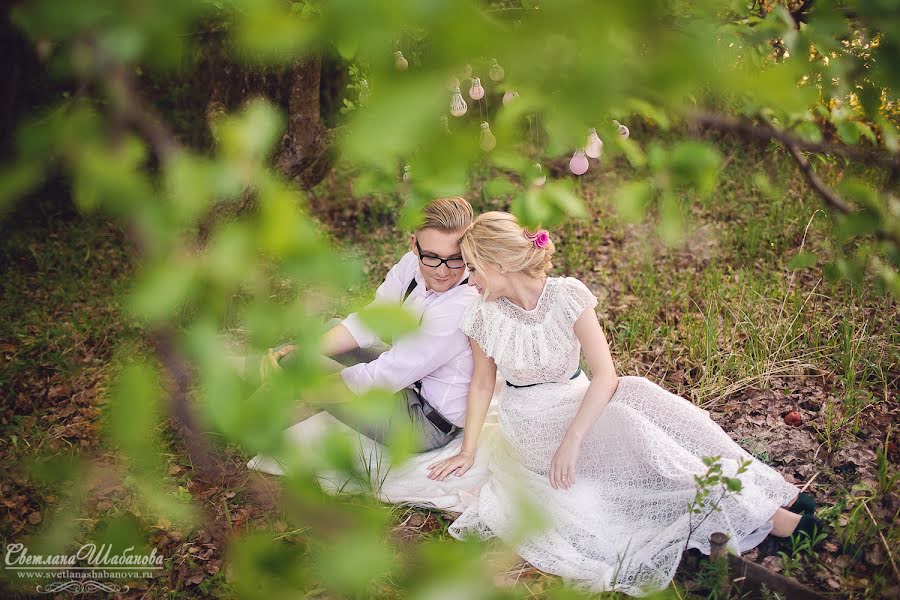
pixel 497 238
pixel 447 215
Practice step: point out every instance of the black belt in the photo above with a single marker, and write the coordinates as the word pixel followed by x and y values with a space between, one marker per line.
pixel 577 373
pixel 431 414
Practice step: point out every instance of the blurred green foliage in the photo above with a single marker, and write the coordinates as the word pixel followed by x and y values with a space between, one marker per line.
pixel 575 64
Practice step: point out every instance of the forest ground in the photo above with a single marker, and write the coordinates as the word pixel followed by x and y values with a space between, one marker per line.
pixel 723 320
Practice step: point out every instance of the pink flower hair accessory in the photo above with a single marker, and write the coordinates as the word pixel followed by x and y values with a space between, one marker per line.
pixel 540 238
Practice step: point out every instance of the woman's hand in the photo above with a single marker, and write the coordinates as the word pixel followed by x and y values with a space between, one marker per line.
pixel 562 466
pixel 459 463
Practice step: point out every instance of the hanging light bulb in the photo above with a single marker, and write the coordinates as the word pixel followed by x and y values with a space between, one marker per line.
pixel 452 82
pixel 400 62
pixel 458 106
pixel 363 92
pixel 407 175
pixel 579 163
pixel 496 73
pixel 594 146
pixel 467 71
pixel 539 177
pixel 476 92
pixel 488 141
pixel 509 96
pixel 623 131
pixel 445 124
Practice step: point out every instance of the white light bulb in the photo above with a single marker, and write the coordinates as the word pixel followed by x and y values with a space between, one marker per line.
pixel 400 62
pixel 579 163
pixel 594 146
pixel 623 131
pixel 539 177
pixel 496 73
pixel 488 141
pixel 476 92
pixel 406 174
pixel 510 96
pixel 458 106
pixel 363 92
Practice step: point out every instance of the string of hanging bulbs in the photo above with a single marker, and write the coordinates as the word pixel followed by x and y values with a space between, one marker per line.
pixel 578 164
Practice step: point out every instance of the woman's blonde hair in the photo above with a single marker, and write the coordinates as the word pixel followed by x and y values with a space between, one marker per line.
pixel 497 238
pixel 447 215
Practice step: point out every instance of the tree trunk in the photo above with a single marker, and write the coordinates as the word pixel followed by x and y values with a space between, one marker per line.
pixel 305 155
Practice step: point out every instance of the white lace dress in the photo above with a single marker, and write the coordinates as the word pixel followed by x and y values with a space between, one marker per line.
pixel 624 524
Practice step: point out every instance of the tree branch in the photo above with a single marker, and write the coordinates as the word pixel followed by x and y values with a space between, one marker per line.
pixel 765 133
pixel 131 110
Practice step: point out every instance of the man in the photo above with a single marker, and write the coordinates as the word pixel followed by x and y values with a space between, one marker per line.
pixel 428 371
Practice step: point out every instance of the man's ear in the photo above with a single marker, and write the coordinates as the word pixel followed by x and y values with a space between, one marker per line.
pixel 412 243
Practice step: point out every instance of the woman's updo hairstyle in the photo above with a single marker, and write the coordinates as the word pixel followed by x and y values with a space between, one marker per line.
pixel 497 238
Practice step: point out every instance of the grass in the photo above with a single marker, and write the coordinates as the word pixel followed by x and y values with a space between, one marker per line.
pixel 717 317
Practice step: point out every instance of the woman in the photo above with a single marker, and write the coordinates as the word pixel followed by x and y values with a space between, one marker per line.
pixel 610 462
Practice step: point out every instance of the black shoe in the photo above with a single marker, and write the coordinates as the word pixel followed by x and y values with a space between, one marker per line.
pixel 804 504
pixel 811 525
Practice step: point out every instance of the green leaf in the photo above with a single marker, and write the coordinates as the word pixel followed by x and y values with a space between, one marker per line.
pixel 251 133
pixel 560 194
pixel 349 564
pixel 633 199
pixel 809 130
pixel 161 290
pixel 695 164
pixel 133 414
pixel 17 180
pixel 850 131
pixel 272 31
pixel 803 260
pixel 499 186
pixel 671 219
pixel 531 209
pixel 732 483
pixel 388 321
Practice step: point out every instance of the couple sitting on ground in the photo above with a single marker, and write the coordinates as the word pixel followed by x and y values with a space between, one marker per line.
pixel 610 461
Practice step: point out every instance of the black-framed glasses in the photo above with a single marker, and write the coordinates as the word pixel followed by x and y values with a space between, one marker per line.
pixel 436 261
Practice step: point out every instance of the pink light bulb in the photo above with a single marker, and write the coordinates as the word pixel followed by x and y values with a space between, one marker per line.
pixel 510 96
pixel 476 92
pixel 579 163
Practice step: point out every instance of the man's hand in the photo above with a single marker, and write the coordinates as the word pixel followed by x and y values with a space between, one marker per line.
pixel 459 463
pixel 562 466
pixel 269 362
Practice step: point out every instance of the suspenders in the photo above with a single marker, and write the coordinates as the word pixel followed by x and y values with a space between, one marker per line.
pixel 431 414
pixel 409 289
pixel 412 285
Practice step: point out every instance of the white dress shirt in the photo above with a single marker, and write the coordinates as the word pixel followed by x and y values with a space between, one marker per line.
pixel 438 353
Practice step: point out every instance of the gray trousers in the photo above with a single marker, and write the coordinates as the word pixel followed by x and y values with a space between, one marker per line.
pixel 409 409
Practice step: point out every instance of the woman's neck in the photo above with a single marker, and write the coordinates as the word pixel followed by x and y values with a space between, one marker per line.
pixel 525 291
